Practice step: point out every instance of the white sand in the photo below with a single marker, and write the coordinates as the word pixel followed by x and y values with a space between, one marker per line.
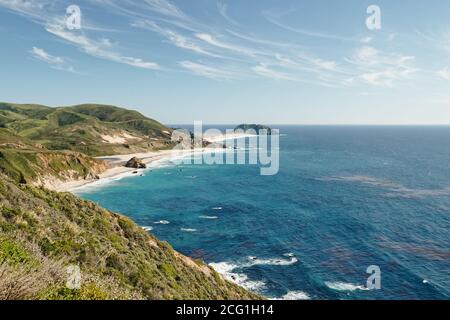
pixel 152 159
pixel 228 136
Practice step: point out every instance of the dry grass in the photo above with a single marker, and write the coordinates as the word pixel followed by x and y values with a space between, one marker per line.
pixel 26 281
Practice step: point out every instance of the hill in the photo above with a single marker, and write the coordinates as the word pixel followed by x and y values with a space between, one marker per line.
pixel 90 128
pixel 25 161
pixel 44 232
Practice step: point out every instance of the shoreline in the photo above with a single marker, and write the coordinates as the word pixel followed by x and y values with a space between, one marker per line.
pixel 153 159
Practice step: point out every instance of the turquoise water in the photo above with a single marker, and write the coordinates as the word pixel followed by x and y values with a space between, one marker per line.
pixel 345 198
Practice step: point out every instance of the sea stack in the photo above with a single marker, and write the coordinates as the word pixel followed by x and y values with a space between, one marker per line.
pixel 253 127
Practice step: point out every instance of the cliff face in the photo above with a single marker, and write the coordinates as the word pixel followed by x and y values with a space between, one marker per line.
pixel 26 161
pixel 43 232
pixel 42 168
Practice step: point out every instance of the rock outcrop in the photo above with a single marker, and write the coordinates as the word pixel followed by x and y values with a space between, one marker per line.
pixel 253 127
pixel 135 163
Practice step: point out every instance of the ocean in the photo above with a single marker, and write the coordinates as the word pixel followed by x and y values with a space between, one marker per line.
pixel 345 198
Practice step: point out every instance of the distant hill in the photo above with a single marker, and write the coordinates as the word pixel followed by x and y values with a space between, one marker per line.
pixel 91 128
pixel 44 232
pixel 256 127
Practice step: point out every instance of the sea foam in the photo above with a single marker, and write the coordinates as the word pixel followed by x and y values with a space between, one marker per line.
pixel 270 262
pixel 343 286
pixel 295 295
pixel 162 222
pixel 226 270
pixel 208 217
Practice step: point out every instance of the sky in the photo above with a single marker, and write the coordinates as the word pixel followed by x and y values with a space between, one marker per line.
pixel 228 62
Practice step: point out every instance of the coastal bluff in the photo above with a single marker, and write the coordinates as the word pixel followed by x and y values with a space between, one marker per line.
pixel 43 232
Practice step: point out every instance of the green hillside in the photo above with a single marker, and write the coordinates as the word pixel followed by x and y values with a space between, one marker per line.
pixel 91 128
pixel 25 161
pixel 44 232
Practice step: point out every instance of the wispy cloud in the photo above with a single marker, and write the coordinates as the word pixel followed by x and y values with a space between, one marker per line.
pixel 223 10
pixel 41 13
pixel 166 8
pixel 381 69
pixel 275 19
pixel 54 61
pixel 227 42
pixel 28 8
pixel 206 71
pixel 173 37
pixel 213 41
pixel 444 73
pixel 98 48
pixel 264 70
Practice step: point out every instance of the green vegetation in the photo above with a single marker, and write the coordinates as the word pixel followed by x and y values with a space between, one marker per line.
pixel 26 164
pixel 41 145
pixel 43 232
pixel 92 129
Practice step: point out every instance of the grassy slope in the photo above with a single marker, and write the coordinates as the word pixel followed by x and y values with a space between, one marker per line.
pixel 82 128
pixel 39 143
pixel 25 161
pixel 42 232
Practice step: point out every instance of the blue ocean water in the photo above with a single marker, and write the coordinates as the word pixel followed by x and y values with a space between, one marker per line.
pixel 345 198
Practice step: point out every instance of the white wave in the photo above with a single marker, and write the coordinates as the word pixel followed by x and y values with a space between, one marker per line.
pixel 188 230
pixel 162 222
pixel 156 164
pixel 343 286
pixel 289 255
pixel 253 261
pixel 94 186
pixel 147 228
pixel 208 217
pixel 226 270
pixel 217 208
pixel 295 295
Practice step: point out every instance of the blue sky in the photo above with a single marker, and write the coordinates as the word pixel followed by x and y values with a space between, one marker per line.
pixel 275 62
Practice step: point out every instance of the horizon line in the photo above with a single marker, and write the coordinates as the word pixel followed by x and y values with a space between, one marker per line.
pixel 322 124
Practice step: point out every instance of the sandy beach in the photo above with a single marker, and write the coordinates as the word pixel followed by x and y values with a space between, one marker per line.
pixel 152 159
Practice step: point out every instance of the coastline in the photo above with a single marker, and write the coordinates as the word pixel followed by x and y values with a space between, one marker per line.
pixel 153 159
